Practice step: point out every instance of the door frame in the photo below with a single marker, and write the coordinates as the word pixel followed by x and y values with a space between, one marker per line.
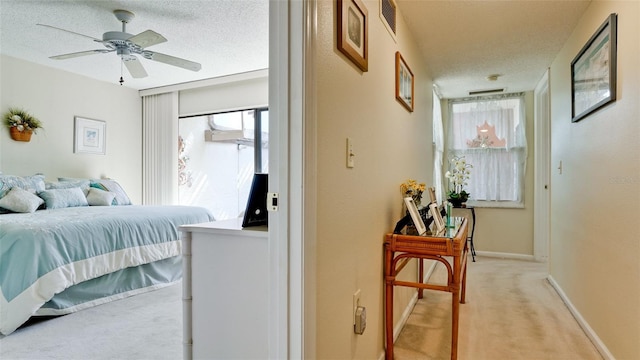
pixel 542 152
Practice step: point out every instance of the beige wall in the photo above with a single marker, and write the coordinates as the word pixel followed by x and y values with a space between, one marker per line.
pixel 357 207
pixel 55 97
pixel 595 202
pixel 506 230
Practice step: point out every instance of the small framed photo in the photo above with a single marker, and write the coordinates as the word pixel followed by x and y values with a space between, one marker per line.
pixel 593 71
pixel 89 136
pixel 404 83
pixel 437 217
pixel 353 32
pixel 415 215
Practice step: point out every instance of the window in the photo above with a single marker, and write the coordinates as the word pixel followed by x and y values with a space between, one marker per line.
pixel 490 133
pixel 218 155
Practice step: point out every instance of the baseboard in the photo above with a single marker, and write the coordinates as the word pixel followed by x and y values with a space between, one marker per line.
pixel 505 255
pixel 407 311
pixel 600 346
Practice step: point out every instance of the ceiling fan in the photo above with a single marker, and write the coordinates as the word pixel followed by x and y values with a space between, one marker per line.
pixel 127 46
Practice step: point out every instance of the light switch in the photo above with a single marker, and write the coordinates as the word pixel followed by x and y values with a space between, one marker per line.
pixel 350 154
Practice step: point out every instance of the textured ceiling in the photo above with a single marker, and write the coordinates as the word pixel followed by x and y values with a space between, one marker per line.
pixel 225 36
pixel 462 41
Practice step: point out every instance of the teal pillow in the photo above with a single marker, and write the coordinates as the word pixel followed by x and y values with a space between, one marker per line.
pixel 82 184
pixel 61 198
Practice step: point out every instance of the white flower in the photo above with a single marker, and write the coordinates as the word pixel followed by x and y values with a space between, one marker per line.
pixel 17 119
pixel 20 127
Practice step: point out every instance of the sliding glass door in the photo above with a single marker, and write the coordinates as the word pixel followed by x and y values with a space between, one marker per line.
pixel 217 157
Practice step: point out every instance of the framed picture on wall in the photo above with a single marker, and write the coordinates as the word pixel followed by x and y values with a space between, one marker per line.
pixel 404 83
pixel 89 136
pixel 593 71
pixel 353 32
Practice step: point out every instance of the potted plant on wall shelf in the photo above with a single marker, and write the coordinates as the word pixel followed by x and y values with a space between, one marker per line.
pixel 21 124
pixel 458 177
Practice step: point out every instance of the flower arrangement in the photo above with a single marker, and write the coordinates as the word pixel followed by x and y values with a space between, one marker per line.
pixel 458 177
pixel 21 120
pixel 413 189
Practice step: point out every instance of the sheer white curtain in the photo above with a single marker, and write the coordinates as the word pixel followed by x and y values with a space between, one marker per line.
pixel 438 151
pixel 490 133
pixel 160 149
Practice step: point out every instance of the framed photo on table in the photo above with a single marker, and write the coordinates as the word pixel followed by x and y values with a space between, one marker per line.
pixel 89 136
pixel 415 215
pixel 404 83
pixel 593 71
pixel 353 32
pixel 437 217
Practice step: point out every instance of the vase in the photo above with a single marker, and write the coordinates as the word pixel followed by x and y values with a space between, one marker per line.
pixel 457 202
pixel 18 135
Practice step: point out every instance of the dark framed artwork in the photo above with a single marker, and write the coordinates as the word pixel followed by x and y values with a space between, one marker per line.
pixel 593 71
pixel 404 83
pixel 353 32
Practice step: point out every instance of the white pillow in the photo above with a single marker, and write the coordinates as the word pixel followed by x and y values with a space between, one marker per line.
pixel 98 197
pixel 21 201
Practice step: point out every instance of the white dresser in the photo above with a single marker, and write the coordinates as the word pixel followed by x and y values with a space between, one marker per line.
pixel 225 291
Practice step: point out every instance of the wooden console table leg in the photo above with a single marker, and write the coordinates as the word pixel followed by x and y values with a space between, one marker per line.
pixel 454 325
pixel 388 289
pixel 420 277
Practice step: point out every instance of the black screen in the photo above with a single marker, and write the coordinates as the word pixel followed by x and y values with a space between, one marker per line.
pixel 255 213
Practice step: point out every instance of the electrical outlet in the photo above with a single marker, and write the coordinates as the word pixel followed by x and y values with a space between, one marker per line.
pixel 361 320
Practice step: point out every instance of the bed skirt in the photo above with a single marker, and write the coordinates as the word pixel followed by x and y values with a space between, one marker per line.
pixel 114 286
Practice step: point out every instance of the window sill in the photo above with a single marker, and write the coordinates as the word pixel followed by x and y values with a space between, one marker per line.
pixel 496 204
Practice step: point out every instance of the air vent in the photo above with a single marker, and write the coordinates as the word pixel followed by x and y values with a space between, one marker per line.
pixel 388 15
pixel 483 92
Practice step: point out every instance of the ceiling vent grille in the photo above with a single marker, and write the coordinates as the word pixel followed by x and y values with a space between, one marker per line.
pixel 484 92
pixel 388 13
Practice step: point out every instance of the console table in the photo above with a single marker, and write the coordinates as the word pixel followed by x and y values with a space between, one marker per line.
pixel 450 248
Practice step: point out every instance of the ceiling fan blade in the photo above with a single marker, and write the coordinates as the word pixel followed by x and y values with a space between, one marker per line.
pixel 147 38
pixel 71 32
pixel 172 60
pixel 135 67
pixel 81 53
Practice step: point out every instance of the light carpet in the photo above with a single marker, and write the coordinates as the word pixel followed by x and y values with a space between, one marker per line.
pixel 145 326
pixel 511 312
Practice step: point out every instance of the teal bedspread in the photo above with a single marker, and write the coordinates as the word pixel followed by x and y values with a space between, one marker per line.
pixel 45 252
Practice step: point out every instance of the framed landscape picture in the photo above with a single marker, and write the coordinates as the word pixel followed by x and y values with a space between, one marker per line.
pixel 89 136
pixel 353 32
pixel 593 71
pixel 404 83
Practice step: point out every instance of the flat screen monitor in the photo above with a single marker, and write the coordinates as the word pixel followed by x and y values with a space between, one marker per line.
pixel 255 213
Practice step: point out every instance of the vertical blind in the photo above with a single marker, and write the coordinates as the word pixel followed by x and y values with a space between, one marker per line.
pixel 160 149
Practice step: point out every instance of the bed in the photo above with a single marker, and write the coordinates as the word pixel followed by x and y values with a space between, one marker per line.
pixel 62 259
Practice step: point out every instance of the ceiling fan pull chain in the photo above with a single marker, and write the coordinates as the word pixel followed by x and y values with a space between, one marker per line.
pixel 121 79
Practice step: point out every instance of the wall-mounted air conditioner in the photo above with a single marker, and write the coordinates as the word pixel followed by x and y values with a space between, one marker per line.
pixel 222 135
